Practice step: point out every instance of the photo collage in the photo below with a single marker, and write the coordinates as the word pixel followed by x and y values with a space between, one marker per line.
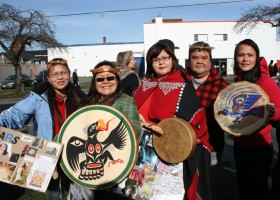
pixel 27 161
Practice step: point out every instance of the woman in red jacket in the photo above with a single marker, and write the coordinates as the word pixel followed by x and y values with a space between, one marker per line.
pixel 253 153
pixel 167 94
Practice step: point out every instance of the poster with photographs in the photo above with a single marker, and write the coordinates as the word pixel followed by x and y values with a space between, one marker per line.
pixel 27 161
pixel 151 178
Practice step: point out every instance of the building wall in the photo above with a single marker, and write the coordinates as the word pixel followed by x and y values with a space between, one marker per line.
pixel 84 58
pixel 182 34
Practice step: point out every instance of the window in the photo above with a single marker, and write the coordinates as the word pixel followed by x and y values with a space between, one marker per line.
pixel 220 37
pixel 200 37
pixel 140 64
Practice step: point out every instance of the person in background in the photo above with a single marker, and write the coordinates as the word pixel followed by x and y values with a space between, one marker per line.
pixel 49 105
pixel 156 101
pixel 172 47
pixel 253 153
pixel 275 70
pixel 270 68
pixel 106 90
pixel 129 78
pixel 75 78
pixel 208 83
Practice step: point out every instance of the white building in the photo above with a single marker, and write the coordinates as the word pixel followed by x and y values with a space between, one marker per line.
pixel 219 34
pixel 85 57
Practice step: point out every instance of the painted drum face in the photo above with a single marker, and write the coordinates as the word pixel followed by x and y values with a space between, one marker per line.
pixel 100 147
pixel 240 108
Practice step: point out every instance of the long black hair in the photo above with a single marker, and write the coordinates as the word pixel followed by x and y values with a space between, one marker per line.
pixel 73 96
pixel 94 97
pixel 255 73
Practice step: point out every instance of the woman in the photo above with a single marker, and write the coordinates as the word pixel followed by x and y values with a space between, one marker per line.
pixel 129 78
pixel 106 90
pixel 4 149
pixel 167 94
pixel 253 154
pixel 49 104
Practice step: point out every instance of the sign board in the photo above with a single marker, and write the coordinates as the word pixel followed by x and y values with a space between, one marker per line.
pixel 27 161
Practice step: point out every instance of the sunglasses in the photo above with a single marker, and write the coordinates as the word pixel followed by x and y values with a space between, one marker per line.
pixel 108 78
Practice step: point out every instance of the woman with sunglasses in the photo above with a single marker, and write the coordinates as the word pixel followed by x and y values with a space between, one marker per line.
pixel 106 90
pixel 49 104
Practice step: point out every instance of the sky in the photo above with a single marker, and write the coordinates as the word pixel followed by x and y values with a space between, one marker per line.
pixel 127 26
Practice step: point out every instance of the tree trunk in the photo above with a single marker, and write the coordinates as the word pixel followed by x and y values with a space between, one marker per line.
pixel 18 83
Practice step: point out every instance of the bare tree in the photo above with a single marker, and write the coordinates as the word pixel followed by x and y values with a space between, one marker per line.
pixel 20 28
pixel 252 17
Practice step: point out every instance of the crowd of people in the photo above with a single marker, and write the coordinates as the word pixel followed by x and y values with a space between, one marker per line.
pixel 168 90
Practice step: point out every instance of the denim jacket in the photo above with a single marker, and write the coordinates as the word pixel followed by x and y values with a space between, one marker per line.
pixel 32 105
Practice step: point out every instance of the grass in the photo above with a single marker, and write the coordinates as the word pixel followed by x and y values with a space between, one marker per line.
pixel 227 187
pixel 11 93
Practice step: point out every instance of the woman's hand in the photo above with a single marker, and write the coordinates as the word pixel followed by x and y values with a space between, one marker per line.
pixel 150 126
pixel 271 109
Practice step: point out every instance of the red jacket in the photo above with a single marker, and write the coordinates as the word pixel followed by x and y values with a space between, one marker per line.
pixel 263 137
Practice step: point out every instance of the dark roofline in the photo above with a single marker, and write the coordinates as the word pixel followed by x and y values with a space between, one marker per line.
pixel 169 20
pixel 108 43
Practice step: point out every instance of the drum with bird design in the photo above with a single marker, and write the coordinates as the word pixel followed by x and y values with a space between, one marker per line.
pixel 100 147
pixel 240 108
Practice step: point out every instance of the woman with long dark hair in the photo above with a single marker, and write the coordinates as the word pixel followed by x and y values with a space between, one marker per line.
pixel 49 104
pixel 106 90
pixel 253 153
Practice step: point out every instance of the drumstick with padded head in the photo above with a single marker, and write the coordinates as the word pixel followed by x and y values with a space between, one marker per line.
pixel 149 126
pixel 152 127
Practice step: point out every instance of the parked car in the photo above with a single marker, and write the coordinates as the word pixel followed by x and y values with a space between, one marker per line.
pixel 9 82
pixel 40 78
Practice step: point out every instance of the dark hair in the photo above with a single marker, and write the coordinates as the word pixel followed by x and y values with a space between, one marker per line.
pixel 255 73
pixel 153 53
pixel 72 101
pixel 94 97
pixel 169 43
pixel 200 46
pixel 6 150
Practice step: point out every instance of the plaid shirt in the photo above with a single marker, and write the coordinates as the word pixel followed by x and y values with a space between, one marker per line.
pixel 207 93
